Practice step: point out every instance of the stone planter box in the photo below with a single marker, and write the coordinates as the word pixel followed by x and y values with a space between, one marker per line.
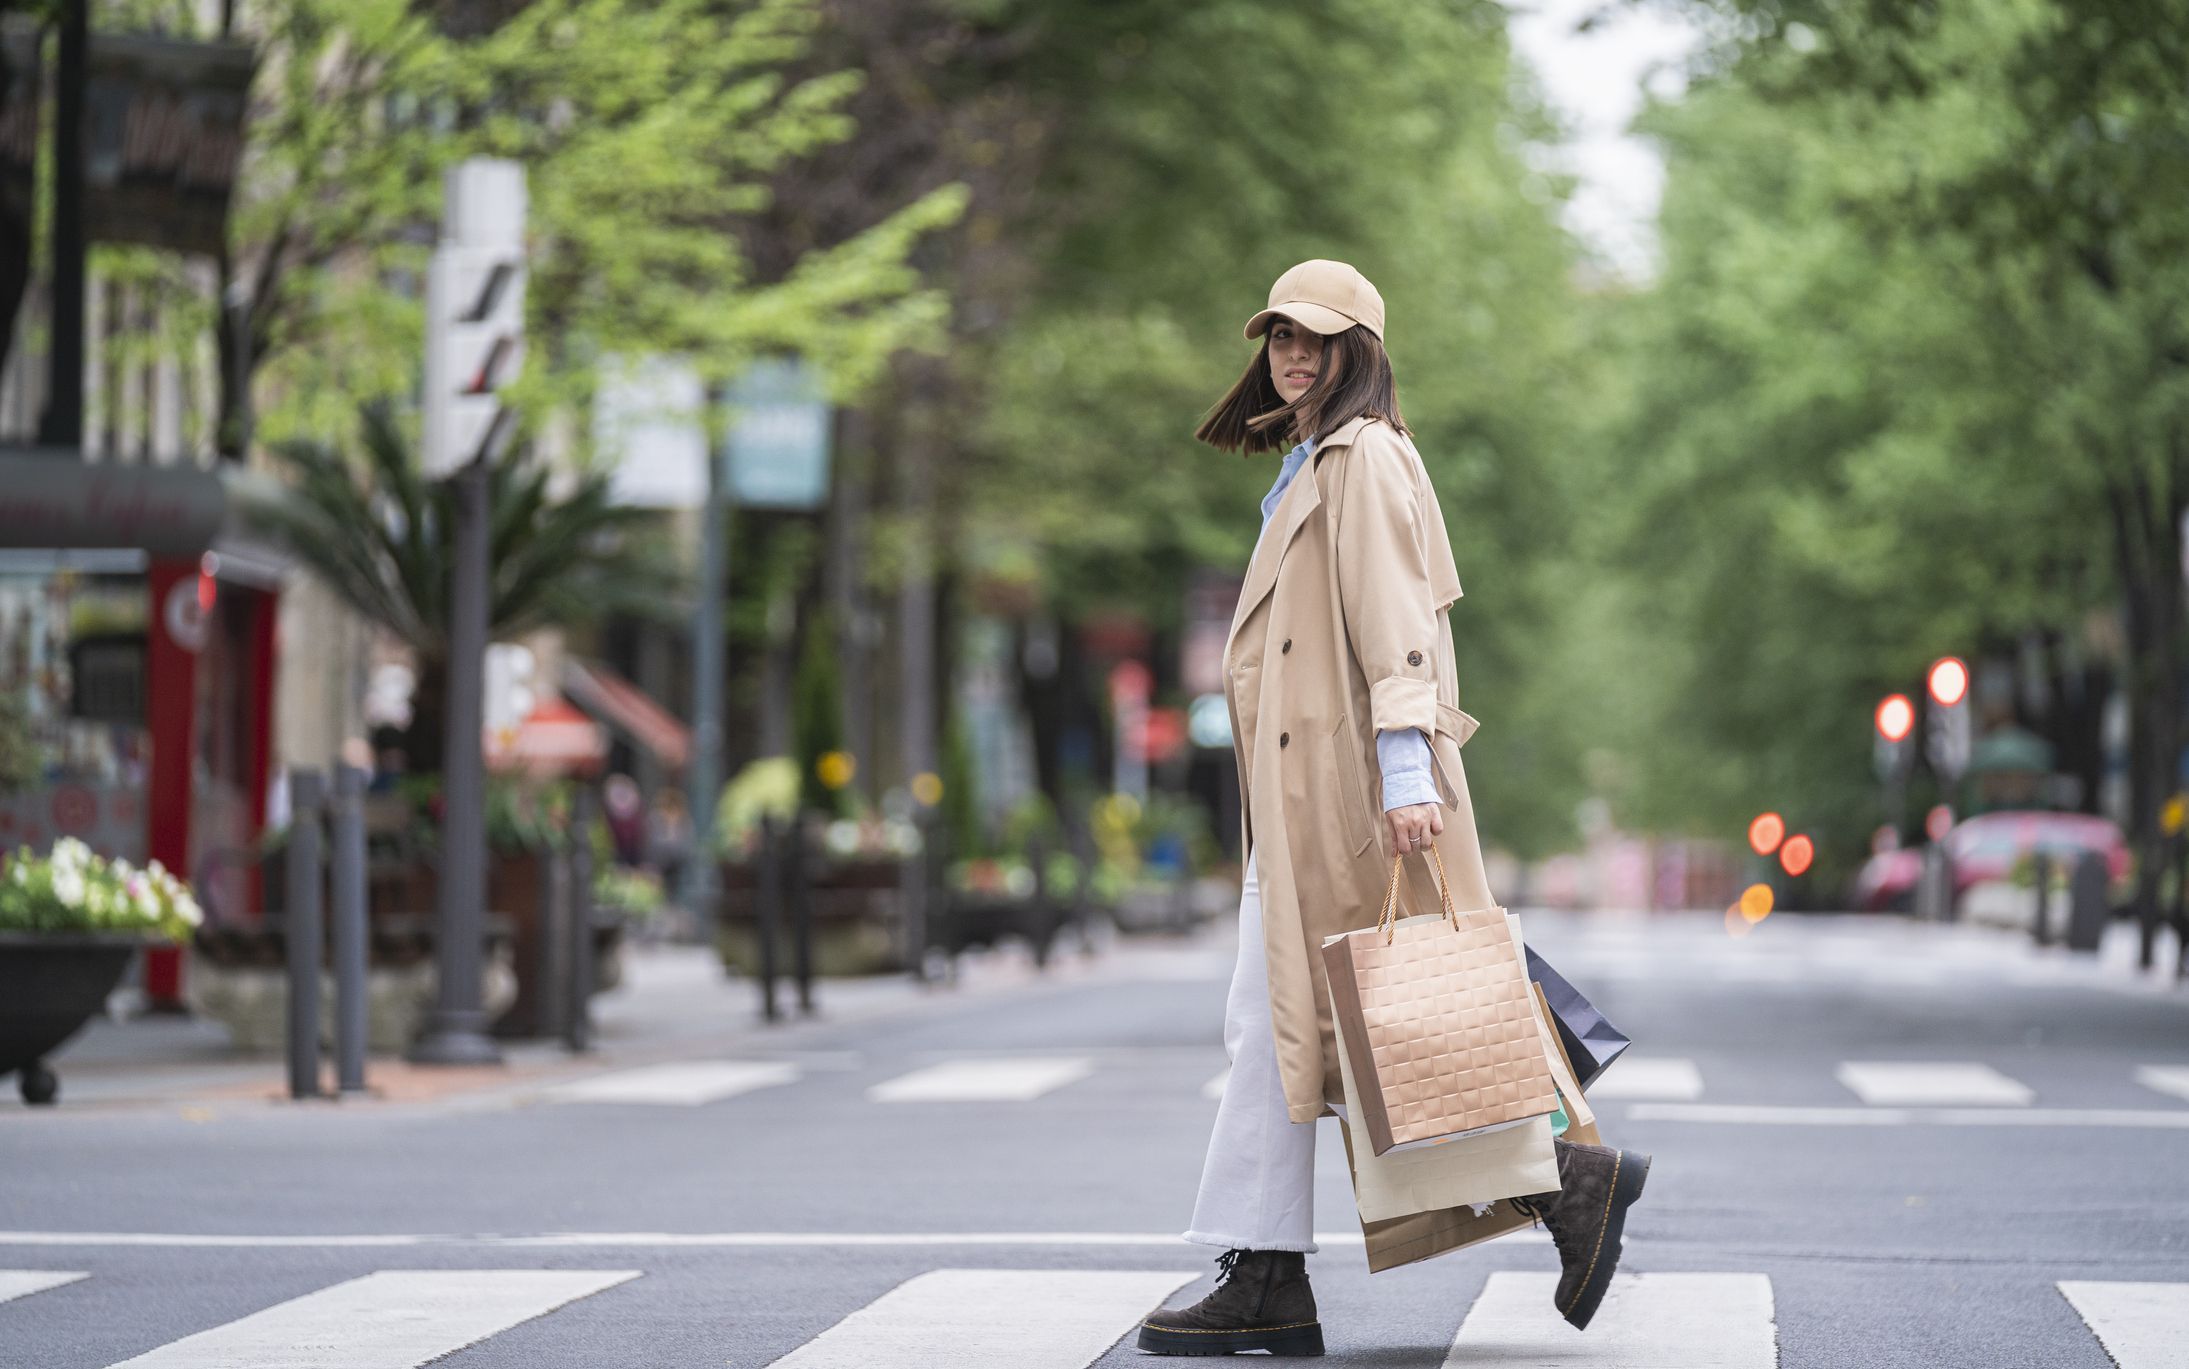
pixel 51 984
pixel 239 978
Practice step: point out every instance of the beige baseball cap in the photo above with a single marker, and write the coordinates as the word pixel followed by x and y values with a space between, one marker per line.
pixel 1325 296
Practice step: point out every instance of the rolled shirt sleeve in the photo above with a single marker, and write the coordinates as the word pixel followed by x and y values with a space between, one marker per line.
pixel 1384 584
pixel 1403 756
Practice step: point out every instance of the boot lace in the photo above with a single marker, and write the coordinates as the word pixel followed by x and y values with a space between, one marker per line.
pixel 1227 1262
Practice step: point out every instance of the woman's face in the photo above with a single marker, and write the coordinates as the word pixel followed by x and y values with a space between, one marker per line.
pixel 1296 357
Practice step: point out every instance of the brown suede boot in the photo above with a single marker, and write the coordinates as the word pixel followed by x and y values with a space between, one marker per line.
pixel 1261 1302
pixel 1587 1217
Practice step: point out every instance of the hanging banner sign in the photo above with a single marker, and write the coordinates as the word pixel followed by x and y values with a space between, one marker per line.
pixel 779 437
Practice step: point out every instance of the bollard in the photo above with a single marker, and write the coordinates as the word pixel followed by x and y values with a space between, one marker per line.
pixel 306 797
pixel 767 907
pixel 2089 902
pixel 346 838
pixel 912 904
pixel 578 1005
pixel 2040 871
pixel 801 917
pixel 551 968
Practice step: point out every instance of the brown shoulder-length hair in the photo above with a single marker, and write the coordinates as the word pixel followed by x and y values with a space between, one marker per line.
pixel 1252 418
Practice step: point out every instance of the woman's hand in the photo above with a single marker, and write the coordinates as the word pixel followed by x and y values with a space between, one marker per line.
pixel 1413 825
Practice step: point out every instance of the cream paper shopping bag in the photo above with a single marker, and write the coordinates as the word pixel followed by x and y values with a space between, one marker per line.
pixel 1448 1173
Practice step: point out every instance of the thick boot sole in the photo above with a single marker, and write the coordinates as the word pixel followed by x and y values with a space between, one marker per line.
pixel 1626 1186
pixel 1300 1340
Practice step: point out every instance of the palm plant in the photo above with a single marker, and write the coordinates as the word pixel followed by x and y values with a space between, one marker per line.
pixel 377 532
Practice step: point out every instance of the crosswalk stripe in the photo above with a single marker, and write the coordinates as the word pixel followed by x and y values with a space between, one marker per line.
pixel 1647 1321
pixel 1770 1115
pixel 21 1283
pixel 991 1319
pixel 1931 1083
pixel 1650 1078
pixel 1214 1088
pixel 395 1319
pixel 1014 1080
pixel 2141 1325
pixel 688 1083
pixel 2173 1079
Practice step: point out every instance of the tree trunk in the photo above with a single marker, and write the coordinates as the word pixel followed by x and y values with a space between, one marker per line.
pixel 2148 546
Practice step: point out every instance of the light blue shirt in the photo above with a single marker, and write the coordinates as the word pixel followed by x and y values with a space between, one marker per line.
pixel 1402 754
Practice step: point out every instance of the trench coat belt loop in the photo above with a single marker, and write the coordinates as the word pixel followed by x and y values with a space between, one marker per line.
pixel 1388 918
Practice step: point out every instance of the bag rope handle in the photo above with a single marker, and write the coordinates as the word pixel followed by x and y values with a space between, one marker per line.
pixel 1388 918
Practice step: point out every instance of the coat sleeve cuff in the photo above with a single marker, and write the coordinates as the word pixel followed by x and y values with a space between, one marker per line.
pixel 1397 701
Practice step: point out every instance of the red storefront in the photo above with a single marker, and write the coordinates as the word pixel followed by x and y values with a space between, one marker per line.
pixel 137 656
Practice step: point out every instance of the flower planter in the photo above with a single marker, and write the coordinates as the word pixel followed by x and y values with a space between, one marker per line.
pixel 858 919
pixel 51 984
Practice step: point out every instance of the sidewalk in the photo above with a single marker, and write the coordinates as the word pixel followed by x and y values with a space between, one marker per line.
pixel 675 1003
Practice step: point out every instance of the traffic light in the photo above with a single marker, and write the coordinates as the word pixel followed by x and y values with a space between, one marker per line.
pixel 1946 722
pixel 474 315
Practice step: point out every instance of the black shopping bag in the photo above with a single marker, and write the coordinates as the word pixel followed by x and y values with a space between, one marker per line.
pixel 1590 1039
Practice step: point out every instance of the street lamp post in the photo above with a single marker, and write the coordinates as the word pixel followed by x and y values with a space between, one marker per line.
pixel 474 347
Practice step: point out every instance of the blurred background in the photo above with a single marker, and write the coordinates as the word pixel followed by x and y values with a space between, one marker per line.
pixel 1806 387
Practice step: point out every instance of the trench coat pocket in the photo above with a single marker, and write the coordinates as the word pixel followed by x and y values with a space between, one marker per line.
pixel 1453 730
pixel 1359 815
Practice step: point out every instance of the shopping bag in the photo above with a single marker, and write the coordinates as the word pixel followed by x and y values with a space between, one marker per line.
pixel 1450 1171
pixel 1437 1015
pixel 1591 1042
pixel 1417 1236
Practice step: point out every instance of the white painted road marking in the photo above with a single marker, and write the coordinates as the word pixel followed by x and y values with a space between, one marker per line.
pixel 1741 1114
pixel 1655 1078
pixel 687 1084
pixel 1647 1321
pixel 21 1283
pixel 2141 1325
pixel 1015 1080
pixel 991 1319
pixel 2172 1079
pixel 1930 1083
pixel 394 1319
pixel 1214 1088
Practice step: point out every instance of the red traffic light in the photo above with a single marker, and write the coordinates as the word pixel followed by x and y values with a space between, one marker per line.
pixel 1949 680
pixel 1765 833
pixel 1895 717
pixel 1795 855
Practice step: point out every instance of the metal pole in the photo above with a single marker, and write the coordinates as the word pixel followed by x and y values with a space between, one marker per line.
pixel 578 1011
pixel 801 912
pixel 769 907
pixel 456 1030
pixel 912 902
pixel 62 424
pixel 306 795
pixel 551 949
pixel 705 776
pixel 348 875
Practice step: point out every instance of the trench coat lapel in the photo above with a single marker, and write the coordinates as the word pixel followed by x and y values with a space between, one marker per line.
pixel 1301 498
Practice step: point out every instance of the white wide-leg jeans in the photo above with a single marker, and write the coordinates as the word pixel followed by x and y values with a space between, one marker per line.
pixel 1258 1182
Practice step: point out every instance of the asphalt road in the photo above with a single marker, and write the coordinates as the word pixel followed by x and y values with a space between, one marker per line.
pixel 1805 1208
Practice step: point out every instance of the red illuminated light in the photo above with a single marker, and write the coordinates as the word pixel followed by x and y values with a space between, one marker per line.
pixel 1765 833
pixel 1895 717
pixel 1949 680
pixel 1795 855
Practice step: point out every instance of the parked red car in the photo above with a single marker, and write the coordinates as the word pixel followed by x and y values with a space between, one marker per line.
pixel 1988 847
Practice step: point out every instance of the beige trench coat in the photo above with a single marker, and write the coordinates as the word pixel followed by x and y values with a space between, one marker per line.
pixel 1341 630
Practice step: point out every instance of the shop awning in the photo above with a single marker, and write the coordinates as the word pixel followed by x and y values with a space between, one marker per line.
pixel 628 710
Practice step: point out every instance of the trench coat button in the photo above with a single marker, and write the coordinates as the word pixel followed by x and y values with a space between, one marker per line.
pixel 1286 647
pixel 1284 739
pixel 1413 658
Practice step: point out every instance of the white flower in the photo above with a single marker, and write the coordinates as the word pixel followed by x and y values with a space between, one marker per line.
pixel 68 886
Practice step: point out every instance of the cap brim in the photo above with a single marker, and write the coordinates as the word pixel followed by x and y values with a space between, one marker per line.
pixel 1316 318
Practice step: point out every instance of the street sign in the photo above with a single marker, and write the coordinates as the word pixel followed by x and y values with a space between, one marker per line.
pixel 779 448
pixel 475 287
